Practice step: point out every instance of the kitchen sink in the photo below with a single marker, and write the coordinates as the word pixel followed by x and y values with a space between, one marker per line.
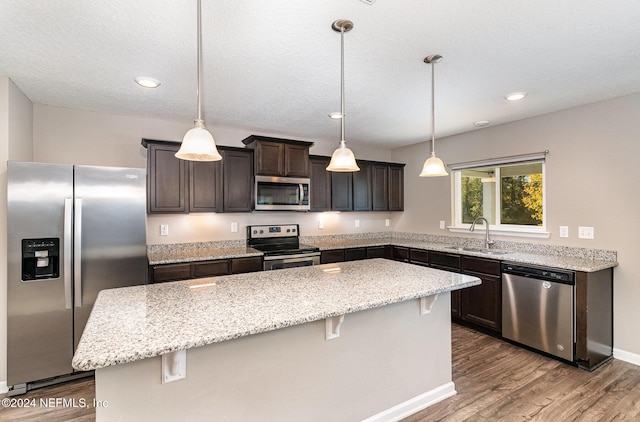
pixel 476 250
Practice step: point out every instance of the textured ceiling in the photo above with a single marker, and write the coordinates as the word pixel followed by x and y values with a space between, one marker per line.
pixel 273 66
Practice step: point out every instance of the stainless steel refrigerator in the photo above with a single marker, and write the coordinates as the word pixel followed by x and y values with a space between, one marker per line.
pixel 72 231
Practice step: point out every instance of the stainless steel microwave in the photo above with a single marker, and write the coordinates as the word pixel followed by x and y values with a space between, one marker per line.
pixel 282 193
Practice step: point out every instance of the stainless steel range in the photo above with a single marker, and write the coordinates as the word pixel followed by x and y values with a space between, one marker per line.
pixel 281 246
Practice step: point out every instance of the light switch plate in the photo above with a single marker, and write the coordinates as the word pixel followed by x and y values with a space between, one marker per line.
pixel 357 222
pixel 164 230
pixel 320 224
pixel 387 222
pixel 442 224
pixel 585 232
pixel 564 231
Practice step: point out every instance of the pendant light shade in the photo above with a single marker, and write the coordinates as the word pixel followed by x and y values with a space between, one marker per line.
pixel 198 143
pixel 433 166
pixel 342 159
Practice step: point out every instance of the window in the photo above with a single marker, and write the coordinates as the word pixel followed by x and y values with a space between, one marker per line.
pixel 508 192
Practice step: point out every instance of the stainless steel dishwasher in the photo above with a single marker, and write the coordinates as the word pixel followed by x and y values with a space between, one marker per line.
pixel 538 308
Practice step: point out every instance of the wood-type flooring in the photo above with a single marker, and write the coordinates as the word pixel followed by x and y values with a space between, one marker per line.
pixel 495 380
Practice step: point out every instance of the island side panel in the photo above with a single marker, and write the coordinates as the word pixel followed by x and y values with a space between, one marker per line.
pixel 384 357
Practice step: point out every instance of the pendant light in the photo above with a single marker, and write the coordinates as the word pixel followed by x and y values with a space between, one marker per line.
pixel 198 143
pixel 433 166
pixel 342 159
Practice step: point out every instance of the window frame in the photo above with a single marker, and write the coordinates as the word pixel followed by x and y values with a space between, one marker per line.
pixel 498 228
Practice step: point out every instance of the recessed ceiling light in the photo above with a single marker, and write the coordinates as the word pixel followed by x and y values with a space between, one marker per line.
pixel 482 123
pixel 147 82
pixel 336 115
pixel 515 96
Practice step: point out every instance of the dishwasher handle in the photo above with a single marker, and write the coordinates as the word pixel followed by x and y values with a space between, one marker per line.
pixel 541 273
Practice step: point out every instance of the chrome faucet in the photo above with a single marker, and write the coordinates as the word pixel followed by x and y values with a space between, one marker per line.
pixel 487 241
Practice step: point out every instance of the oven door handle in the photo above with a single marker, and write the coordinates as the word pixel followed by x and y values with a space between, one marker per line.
pixel 301 200
pixel 291 258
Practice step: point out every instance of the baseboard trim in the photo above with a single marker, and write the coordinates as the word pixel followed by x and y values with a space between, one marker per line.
pixel 4 389
pixel 414 405
pixel 626 356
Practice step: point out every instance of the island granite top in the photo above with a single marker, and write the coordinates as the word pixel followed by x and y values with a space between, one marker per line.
pixel 134 323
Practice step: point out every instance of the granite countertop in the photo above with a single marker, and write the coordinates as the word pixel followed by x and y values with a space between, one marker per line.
pixel 576 259
pixel 168 256
pixel 584 263
pixel 133 323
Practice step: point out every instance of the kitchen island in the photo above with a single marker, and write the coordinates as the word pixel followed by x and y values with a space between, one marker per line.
pixel 343 342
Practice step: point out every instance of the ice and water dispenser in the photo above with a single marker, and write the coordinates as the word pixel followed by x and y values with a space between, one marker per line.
pixel 40 259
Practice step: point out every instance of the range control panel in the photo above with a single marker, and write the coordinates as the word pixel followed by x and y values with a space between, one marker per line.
pixel 286 230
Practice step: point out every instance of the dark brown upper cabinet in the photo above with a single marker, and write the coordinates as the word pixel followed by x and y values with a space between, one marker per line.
pixel 320 184
pixel 362 198
pixel 396 187
pixel 237 168
pixel 341 191
pixel 178 186
pixel 279 157
pixel 205 186
pixel 167 178
pixel 380 187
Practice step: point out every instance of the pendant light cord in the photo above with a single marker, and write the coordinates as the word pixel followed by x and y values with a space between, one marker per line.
pixel 342 83
pixel 433 109
pixel 199 60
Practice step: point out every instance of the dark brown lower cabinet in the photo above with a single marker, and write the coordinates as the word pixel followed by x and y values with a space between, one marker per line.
pixel 169 272
pixel 246 265
pixel 400 253
pixel 482 304
pixel 419 257
pixel 174 272
pixel 211 268
pixel 334 255
pixel 479 305
pixel 355 254
pixel 376 251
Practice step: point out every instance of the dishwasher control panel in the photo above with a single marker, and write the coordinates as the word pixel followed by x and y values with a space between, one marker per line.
pixel 543 273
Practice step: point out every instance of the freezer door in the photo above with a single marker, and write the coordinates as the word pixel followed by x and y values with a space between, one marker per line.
pixel 39 312
pixel 538 314
pixel 110 238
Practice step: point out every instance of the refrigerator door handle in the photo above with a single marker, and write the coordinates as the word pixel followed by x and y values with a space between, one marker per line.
pixel 68 226
pixel 77 253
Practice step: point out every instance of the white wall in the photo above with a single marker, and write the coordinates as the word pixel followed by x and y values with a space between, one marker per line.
pixel 16 131
pixel 592 179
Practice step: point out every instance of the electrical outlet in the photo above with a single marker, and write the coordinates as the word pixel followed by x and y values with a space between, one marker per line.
pixel 564 231
pixel 320 224
pixel 585 232
pixel 234 227
pixel 357 222
pixel 387 222
pixel 164 230
pixel 442 224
